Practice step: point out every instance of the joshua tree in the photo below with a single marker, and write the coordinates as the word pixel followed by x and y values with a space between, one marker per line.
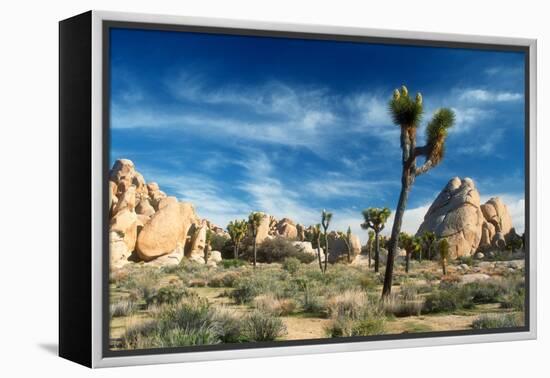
pixel 411 244
pixel 316 238
pixel 237 231
pixel 443 247
pixel 326 217
pixel 406 113
pixel 369 245
pixel 375 219
pixel 428 239
pixel 347 240
pixel 514 243
pixel 254 220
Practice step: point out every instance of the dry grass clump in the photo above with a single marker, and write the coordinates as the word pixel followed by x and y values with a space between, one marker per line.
pixel 122 307
pixel 272 305
pixel 350 303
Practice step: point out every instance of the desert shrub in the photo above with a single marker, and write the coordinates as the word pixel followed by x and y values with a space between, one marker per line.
pixel 168 295
pixel 229 326
pixel 341 277
pixel 485 292
pixel 188 322
pixel 349 304
pixel 264 280
pixel 291 265
pixel 497 321
pixel 223 279
pixel 276 250
pixel 264 327
pixel 447 299
pixel 345 327
pixel 198 282
pixel 514 300
pixel 401 305
pixel 232 263
pixel 279 307
pixel 122 308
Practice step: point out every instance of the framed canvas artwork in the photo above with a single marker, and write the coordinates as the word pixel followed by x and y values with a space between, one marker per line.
pixel 234 189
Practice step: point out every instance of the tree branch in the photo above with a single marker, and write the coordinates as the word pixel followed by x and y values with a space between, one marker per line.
pixel 424 168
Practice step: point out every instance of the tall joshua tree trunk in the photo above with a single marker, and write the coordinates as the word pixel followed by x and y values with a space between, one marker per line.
pixel 319 253
pixel 235 253
pixel 396 229
pixel 407 262
pixel 376 252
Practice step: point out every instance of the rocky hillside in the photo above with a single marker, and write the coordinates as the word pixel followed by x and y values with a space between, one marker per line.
pixel 147 225
pixel 469 226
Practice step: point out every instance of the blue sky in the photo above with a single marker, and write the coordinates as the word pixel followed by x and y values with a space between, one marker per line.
pixel 287 126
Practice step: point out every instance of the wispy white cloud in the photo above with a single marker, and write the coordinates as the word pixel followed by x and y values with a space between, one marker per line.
pixel 486 147
pixel 483 95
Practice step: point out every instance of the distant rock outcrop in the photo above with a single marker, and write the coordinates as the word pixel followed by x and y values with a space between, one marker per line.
pixel 457 215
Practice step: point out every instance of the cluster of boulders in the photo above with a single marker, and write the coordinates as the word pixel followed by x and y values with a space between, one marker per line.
pixel 469 226
pixel 147 225
pixel 270 227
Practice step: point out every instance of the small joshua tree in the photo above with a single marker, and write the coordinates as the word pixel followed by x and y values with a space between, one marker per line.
pixel 428 239
pixel 347 240
pixel 514 243
pixel 443 247
pixel 370 242
pixel 237 231
pixel 411 244
pixel 406 113
pixel 326 217
pixel 316 238
pixel 254 221
pixel 375 219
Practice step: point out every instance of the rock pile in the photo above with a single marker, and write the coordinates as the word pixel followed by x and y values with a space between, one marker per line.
pixel 457 215
pixel 147 225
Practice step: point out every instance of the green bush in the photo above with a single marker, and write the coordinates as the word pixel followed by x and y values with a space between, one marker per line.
pixel 264 327
pixel 232 263
pixel 168 295
pixel 346 327
pixel 291 265
pixel 276 250
pixel 265 280
pixel 497 321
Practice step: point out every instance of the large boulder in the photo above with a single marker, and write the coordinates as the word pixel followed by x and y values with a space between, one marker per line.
pixel 166 230
pixel 123 169
pixel 338 250
pixel 122 237
pixel 456 215
pixel 144 207
pixel 496 213
pixel 263 230
pixel 194 250
pixel 286 228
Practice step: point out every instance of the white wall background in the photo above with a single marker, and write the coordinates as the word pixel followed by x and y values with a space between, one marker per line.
pixel 28 186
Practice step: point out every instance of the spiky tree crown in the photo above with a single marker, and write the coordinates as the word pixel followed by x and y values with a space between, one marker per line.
pixel 436 132
pixel 375 217
pixel 409 243
pixel 326 217
pixel 406 111
pixel 254 220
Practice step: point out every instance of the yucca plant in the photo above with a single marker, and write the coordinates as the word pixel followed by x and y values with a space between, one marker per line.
pixel 428 239
pixel 326 217
pixel 375 219
pixel 254 221
pixel 443 248
pixel 411 244
pixel 237 231
pixel 406 113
